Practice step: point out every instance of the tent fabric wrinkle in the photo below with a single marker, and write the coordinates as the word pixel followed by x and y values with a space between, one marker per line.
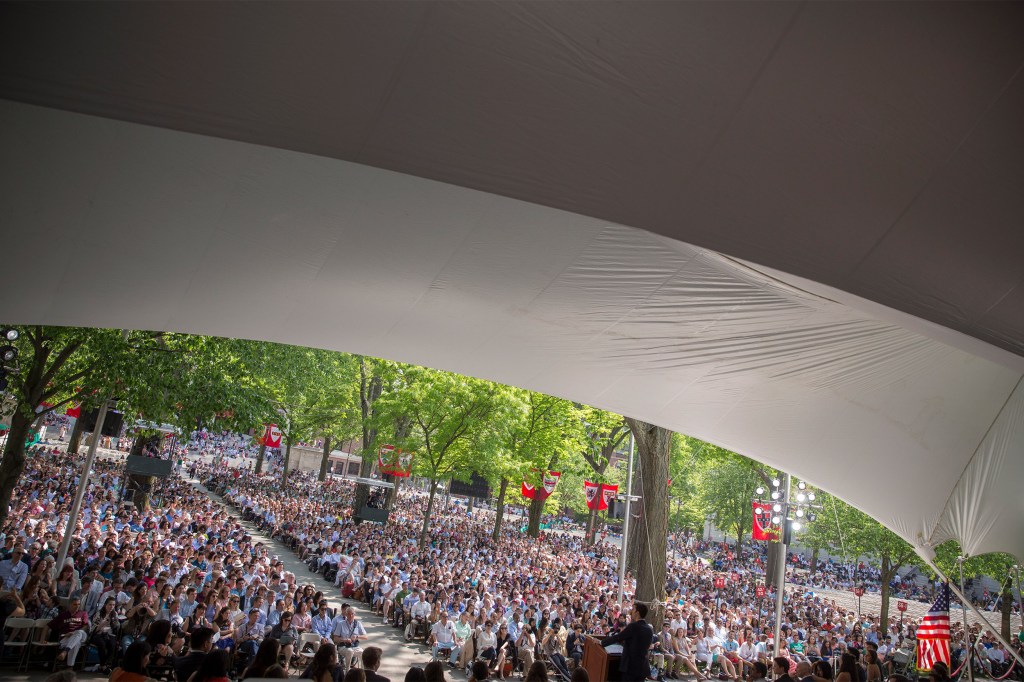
pixel 993 473
pixel 904 421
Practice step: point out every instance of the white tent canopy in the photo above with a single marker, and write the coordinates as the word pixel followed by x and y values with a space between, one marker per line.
pixel 116 224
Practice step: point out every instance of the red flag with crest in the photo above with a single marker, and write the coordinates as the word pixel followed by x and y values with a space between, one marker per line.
pixel 763 528
pixel 593 493
pixel 608 493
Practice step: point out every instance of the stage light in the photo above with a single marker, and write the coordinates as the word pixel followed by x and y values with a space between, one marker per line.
pixel 775 482
pixel 801 497
pixel 796 525
pixel 760 490
pixel 776 520
pixel 776 507
pixel 810 496
pixel 801 485
pixel 775 495
pixel 10 334
pixel 799 512
pixel 8 353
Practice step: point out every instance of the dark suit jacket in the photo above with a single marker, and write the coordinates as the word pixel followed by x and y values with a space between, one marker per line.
pixel 185 665
pixel 636 639
pixel 372 676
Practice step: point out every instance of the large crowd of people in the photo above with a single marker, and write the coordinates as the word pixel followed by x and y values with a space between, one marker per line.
pixel 182 590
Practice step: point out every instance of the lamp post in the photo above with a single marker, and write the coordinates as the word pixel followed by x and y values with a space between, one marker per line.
pixel 967 637
pixel 83 483
pixel 628 498
pixel 788 515
pixel 1020 593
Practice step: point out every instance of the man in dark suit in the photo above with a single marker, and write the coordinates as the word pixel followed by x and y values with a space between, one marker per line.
pixel 780 667
pixel 636 639
pixel 200 643
pixel 371 661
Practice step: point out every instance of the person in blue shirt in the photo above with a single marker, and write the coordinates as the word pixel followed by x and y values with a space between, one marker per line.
pixel 14 571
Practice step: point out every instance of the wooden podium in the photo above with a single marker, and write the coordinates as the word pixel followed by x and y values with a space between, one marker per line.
pixel 599 664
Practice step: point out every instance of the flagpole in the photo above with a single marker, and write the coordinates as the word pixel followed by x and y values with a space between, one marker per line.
pixel 780 572
pixel 625 521
pixel 967 639
pixel 929 559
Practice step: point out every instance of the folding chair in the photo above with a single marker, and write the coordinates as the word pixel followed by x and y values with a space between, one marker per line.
pixel 307 638
pixel 18 637
pixel 41 642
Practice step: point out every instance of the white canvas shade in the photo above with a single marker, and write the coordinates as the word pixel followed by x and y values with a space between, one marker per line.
pixel 115 224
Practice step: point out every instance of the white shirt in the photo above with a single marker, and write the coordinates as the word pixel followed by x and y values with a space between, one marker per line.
pixel 444 632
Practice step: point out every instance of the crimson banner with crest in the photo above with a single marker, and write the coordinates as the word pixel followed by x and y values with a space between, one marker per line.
pixel 272 436
pixel 763 528
pixel 393 461
pixel 593 493
pixel 608 493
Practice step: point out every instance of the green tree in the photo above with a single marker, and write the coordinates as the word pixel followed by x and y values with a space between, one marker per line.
pixel 997 565
pixel 605 433
pixel 526 424
pixel 728 487
pixel 447 413
pixel 869 537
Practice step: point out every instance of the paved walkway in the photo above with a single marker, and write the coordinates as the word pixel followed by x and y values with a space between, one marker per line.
pixel 398 656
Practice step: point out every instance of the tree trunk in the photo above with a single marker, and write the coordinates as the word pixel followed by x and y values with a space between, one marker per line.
pixel 1007 609
pixel 143 485
pixel 286 462
pixel 887 571
pixel 469 504
pixel 325 460
pixel 426 515
pixel 259 458
pixel 13 462
pixel 653 444
pixel 536 511
pixel 76 437
pixel 814 559
pixel 499 514
pixel 389 499
pixel 588 537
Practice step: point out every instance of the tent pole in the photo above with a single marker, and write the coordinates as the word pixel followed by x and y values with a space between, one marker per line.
pixel 927 554
pixel 968 648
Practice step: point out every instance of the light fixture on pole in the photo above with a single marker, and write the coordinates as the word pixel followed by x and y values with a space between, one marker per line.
pixel 790 515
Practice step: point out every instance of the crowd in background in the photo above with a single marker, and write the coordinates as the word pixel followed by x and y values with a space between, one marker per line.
pixel 183 584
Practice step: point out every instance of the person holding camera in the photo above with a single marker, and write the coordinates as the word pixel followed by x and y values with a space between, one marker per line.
pixel 347 634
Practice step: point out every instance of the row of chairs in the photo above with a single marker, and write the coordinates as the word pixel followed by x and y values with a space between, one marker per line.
pixel 27 637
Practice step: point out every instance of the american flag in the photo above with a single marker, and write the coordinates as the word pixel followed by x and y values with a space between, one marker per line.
pixel 933 635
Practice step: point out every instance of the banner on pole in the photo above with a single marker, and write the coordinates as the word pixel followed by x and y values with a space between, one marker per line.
pixel 393 461
pixel 272 436
pixel 550 481
pixel 763 528
pixel 608 493
pixel 593 494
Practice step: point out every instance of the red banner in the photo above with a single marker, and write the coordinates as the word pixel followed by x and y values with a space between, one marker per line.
pixel 608 493
pixel 391 460
pixel 763 528
pixel 593 494
pixel 550 481
pixel 528 490
pixel 74 410
pixel 272 436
